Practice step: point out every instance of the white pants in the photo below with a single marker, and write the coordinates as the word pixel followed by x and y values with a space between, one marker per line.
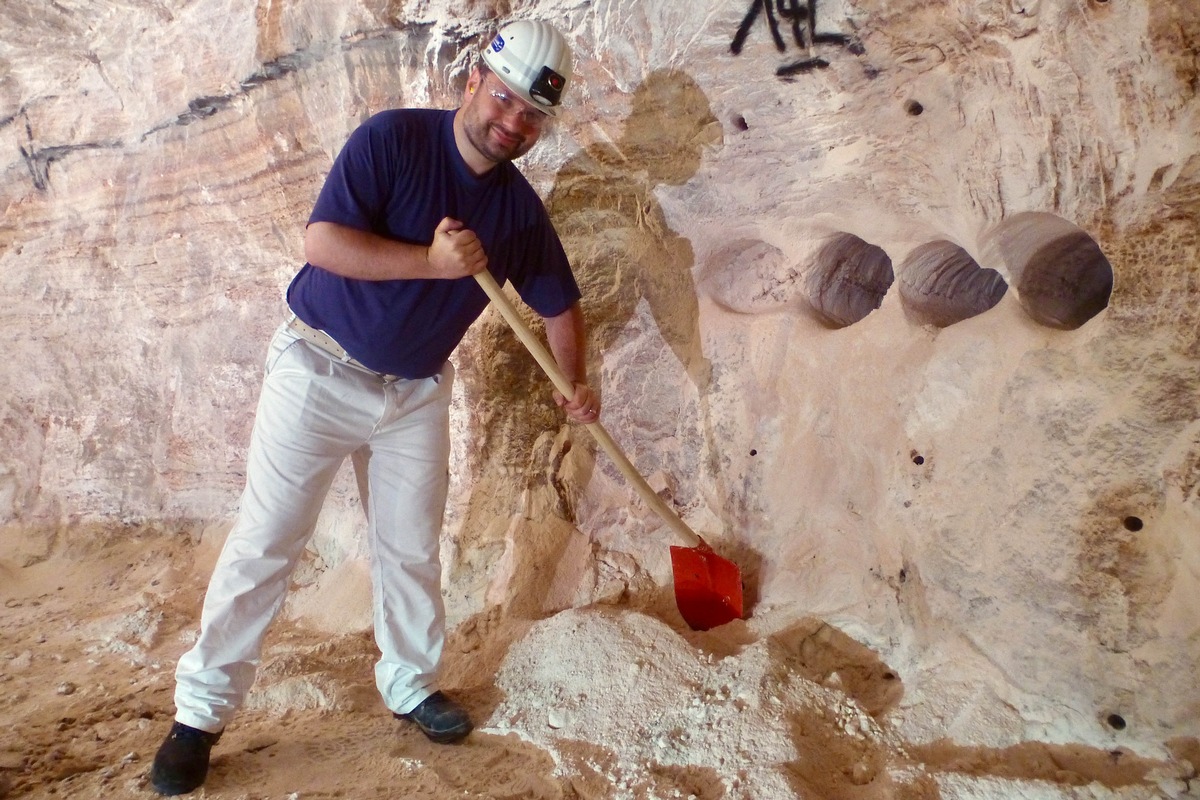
pixel 313 412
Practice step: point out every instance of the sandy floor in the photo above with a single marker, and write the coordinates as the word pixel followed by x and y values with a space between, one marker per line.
pixel 602 702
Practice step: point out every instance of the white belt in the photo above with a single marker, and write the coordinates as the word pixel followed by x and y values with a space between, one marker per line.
pixel 323 341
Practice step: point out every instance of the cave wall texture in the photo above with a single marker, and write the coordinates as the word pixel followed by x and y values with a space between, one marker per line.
pixel 913 331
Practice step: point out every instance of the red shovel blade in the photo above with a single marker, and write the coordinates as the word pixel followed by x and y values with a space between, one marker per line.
pixel 708 588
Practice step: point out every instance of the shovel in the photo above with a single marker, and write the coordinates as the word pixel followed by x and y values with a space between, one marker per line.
pixel 708 588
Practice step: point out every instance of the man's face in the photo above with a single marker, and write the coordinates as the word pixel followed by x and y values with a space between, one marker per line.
pixel 498 123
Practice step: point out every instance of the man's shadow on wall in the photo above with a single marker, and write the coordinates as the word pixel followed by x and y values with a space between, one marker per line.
pixel 624 253
pixel 621 246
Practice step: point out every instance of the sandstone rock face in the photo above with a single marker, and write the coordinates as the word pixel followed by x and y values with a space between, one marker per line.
pixel 914 332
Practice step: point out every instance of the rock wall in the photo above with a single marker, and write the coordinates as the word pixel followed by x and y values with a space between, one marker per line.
pixel 907 320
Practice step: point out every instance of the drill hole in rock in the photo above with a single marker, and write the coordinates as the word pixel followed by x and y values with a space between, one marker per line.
pixel 941 284
pixel 1133 523
pixel 849 280
pixel 1116 722
pixel 913 108
pixel 1061 276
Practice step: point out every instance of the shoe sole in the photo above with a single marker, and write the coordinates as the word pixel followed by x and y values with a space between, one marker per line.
pixel 443 737
pixel 172 791
pixel 440 737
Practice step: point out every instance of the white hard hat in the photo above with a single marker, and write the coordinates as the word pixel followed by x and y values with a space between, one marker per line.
pixel 532 59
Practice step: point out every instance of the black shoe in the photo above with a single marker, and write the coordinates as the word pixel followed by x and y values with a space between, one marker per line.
pixel 440 718
pixel 181 763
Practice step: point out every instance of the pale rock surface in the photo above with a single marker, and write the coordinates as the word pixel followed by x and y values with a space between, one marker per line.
pixel 854 322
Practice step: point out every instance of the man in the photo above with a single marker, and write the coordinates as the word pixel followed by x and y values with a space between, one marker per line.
pixel 417 202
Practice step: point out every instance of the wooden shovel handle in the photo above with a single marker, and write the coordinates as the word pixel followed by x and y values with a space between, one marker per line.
pixel 567 388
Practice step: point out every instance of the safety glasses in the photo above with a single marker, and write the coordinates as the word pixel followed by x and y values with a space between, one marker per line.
pixel 510 104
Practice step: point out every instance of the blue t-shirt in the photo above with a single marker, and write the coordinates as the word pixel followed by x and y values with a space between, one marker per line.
pixel 398 176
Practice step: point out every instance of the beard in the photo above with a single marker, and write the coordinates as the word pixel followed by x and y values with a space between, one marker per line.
pixel 495 141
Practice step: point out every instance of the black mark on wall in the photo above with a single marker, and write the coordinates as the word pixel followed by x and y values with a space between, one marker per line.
pixel 38 159
pixel 202 107
pixel 801 19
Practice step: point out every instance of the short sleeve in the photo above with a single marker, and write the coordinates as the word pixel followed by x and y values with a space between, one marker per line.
pixel 545 281
pixel 357 189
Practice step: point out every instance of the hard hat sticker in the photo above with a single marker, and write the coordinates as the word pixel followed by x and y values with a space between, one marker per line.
pixel 497 44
